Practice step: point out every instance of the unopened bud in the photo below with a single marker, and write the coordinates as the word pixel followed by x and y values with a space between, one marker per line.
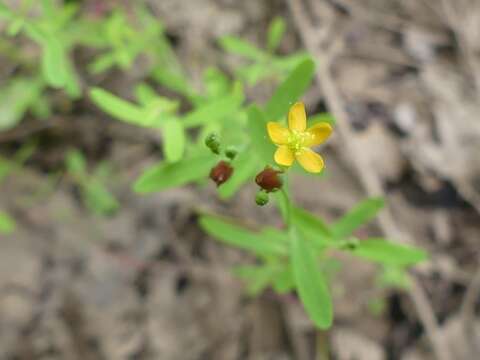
pixel 213 143
pixel 269 180
pixel 221 172
pixel 231 152
pixel 261 198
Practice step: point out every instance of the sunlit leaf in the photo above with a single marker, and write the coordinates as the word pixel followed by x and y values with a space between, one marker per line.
pixel 7 223
pixel 173 139
pixel 311 226
pixel 240 237
pixel 311 284
pixel 275 33
pixel 54 62
pixel 166 175
pixel 237 46
pixel 257 127
pixel 359 215
pixel 290 90
pixel 215 110
pixel 387 252
pixel 118 108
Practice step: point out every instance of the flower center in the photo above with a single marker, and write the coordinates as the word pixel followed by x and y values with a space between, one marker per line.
pixel 297 140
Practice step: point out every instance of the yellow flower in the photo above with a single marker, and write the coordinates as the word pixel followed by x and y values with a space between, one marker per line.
pixel 296 141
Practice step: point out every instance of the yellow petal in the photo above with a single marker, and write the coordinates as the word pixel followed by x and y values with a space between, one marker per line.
pixel 278 134
pixel 310 160
pixel 319 133
pixel 284 156
pixel 297 118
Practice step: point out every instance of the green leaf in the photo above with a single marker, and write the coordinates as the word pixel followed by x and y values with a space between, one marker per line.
pixel 311 226
pixel 172 80
pixel 118 108
pixel 258 278
pixel 7 224
pixel 275 33
pixel 237 46
pixel 166 175
pixel 98 199
pixel 284 281
pixel 216 83
pixel 257 126
pixel 6 12
pixel 311 284
pixel 54 62
pixel 240 237
pixel 76 163
pixel 394 277
pixel 245 166
pixel 359 215
pixel 173 140
pixel 322 117
pixel 386 252
pixel 290 90
pixel 16 97
pixel 145 94
pixel 215 110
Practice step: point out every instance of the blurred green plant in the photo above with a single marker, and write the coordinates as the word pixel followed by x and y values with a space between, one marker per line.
pixel 92 185
pixel 297 258
pixel 264 63
pixel 293 259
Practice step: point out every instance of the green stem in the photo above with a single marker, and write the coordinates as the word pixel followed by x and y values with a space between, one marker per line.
pixel 288 210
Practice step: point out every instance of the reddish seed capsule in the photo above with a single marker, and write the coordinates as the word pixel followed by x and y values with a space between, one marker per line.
pixel 221 172
pixel 269 180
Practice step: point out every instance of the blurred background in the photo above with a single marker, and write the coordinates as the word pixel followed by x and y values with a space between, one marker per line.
pixel 91 270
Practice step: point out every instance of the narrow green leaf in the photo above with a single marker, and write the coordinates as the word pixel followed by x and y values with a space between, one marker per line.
pixel 98 199
pixel 215 110
pixel 118 108
pixel 275 33
pixel 311 226
pixel 322 117
pixel 257 126
pixel 359 215
pixel 166 175
pixel 173 81
pixel 76 163
pixel 235 235
pixel 258 278
pixel 386 252
pixel 311 284
pixel 237 46
pixel 245 166
pixel 54 62
pixel 7 224
pixel 145 94
pixel 173 140
pixel 284 281
pixel 290 90
pixel 6 12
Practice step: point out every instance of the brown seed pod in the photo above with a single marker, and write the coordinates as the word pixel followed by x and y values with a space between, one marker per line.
pixel 269 180
pixel 221 172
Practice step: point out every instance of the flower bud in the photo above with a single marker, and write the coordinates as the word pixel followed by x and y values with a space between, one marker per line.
pixel 231 152
pixel 221 172
pixel 213 143
pixel 269 180
pixel 261 198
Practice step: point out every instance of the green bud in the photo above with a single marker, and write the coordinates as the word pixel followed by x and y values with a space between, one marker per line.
pixel 261 198
pixel 213 143
pixel 231 152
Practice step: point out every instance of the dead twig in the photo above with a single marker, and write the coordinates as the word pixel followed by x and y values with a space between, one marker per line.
pixel 467 311
pixel 361 163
